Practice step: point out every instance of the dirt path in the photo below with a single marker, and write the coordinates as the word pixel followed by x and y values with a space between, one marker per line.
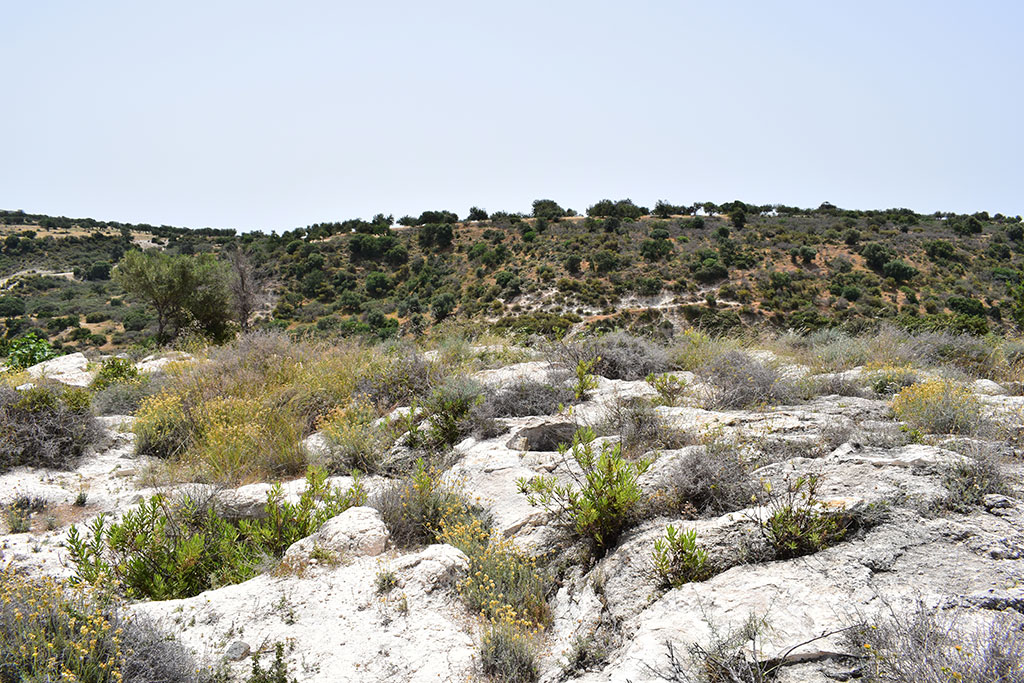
pixel 9 281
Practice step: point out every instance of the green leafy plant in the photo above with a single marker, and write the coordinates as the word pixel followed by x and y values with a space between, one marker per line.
pixel 797 522
pixel 678 559
pixel 29 350
pixel 112 371
pixel 598 502
pixel 584 379
pixel 171 549
pixel 670 388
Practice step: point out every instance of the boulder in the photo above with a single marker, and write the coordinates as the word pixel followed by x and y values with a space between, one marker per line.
pixel 71 369
pixel 355 532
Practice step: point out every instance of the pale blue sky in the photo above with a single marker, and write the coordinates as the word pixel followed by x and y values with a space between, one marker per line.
pixel 272 115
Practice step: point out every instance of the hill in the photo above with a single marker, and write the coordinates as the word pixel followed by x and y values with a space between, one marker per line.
pixel 721 268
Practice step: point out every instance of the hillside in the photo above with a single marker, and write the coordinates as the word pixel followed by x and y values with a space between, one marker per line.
pixel 802 510
pixel 720 268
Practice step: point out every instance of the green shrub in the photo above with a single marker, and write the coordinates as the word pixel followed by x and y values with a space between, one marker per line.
pixel 166 549
pixel 44 427
pixel 598 503
pixel 112 371
pixel 678 559
pixel 277 673
pixel 670 388
pixel 29 350
pixel 797 522
pixel 940 407
pixel 447 409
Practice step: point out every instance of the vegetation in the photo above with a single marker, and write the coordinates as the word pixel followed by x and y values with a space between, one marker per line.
pixel 596 505
pixel 678 559
pixel 178 548
pixel 50 632
pixel 796 523
pixel 939 407
pixel 45 427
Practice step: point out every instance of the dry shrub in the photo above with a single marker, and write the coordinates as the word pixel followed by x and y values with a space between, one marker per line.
pixel 616 355
pixel 940 407
pixel 738 380
pixel 82 634
pixel 238 412
pixel 45 427
pixel 640 427
pixel 712 481
pixel 929 645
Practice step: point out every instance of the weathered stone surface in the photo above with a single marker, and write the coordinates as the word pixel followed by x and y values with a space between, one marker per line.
pixel 357 531
pixel 71 369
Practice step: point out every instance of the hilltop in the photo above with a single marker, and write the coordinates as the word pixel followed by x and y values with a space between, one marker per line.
pixel 722 268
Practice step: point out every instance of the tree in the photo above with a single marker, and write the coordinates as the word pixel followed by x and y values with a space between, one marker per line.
pixel 547 209
pixel 247 293
pixel 442 305
pixel 178 288
pixel 476 214
pixel 738 218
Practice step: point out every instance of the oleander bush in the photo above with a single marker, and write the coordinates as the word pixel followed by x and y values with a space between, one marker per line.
pixel 45 426
pixel 175 548
pixel 940 407
pixel 596 504
pixel 678 559
pixel 795 522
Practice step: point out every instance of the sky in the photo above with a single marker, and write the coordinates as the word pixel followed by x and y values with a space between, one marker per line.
pixel 274 115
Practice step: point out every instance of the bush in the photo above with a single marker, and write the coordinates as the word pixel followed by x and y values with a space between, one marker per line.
pixel 640 427
pixel 598 502
pixel 526 397
pixel 887 380
pixel 27 351
pixel 502 579
pixel 713 481
pixel 616 355
pixel 43 427
pixel 166 549
pixel 447 409
pixel 678 559
pixel 739 380
pixel 927 645
pixel 970 480
pixel 49 632
pixel 508 653
pixel 114 371
pixel 414 507
pixel 125 398
pixel 240 411
pixel 797 522
pixel 358 440
pixel 939 407
pixel 670 388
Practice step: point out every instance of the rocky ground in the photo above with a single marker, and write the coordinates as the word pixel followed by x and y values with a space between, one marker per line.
pixel 907 548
